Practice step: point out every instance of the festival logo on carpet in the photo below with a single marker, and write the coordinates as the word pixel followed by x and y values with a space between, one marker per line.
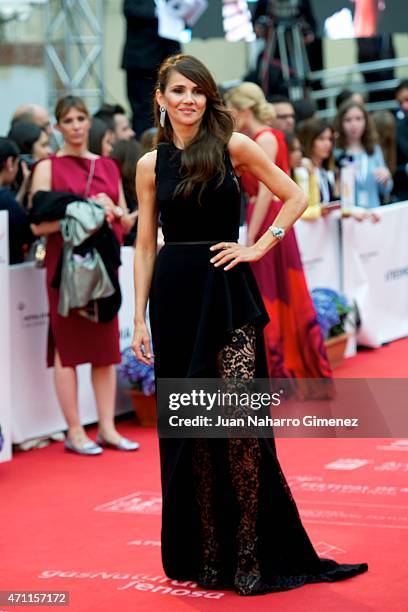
pixel 397 445
pixel 151 583
pixel 324 548
pixel 153 543
pixel 141 502
pixel 347 464
pixel 392 466
pixel 353 504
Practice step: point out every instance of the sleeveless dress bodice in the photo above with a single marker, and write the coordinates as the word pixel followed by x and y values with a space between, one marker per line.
pixel 215 217
pixel 208 302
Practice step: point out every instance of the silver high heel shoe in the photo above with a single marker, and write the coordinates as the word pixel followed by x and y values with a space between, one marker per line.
pixel 124 444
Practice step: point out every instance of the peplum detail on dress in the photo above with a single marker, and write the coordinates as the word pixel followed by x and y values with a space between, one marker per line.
pixel 231 301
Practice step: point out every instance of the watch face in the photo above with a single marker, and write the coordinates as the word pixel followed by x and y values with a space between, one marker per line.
pixel 277 232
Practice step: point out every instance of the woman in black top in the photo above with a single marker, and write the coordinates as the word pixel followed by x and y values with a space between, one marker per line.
pixel 229 520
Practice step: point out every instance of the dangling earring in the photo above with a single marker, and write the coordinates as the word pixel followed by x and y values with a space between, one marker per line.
pixel 162 116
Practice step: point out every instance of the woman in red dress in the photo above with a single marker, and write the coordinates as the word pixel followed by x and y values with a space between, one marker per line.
pixel 293 339
pixel 74 340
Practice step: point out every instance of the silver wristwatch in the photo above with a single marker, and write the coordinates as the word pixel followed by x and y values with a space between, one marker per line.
pixel 277 232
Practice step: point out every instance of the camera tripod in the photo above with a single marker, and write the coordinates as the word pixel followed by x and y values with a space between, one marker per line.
pixel 286 34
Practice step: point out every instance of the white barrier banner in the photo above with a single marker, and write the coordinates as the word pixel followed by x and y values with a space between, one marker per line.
pixel 5 397
pixel 319 245
pixel 127 310
pixel 35 409
pixel 376 273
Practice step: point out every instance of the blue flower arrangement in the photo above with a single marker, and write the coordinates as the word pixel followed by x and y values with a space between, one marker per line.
pixel 139 375
pixel 332 309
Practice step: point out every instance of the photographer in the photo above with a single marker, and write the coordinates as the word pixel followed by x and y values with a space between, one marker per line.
pixel 32 140
pixel 33 144
pixel 20 235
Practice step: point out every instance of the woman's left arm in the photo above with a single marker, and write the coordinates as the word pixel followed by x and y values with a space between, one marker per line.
pixel 269 144
pixel 246 155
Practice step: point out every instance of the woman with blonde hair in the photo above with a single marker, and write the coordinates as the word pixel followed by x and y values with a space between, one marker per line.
pixel 293 339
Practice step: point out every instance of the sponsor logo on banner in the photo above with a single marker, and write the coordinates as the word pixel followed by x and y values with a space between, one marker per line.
pixel 141 502
pixel 31 319
pixel 3 247
pixel 347 464
pixel 151 583
pixel 397 445
pixel 396 274
pixel 368 255
pixel 126 334
pixel 309 264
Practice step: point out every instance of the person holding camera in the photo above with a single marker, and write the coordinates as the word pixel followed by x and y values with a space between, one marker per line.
pixel 34 144
pixel 20 235
pixel 32 140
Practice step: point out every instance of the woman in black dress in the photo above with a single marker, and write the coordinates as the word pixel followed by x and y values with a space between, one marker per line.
pixel 229 519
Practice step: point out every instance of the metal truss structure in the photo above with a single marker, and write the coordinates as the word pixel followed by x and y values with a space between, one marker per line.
pixel 74 50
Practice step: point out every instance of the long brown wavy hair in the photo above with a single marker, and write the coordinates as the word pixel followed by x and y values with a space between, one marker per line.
pixel 369 137
pixel 203 157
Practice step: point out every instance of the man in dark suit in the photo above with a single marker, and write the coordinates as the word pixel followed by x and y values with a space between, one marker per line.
pixel 143 53
pixel 401 174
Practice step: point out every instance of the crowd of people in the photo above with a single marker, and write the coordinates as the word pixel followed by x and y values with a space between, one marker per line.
pixel 316 153
pixel 374 146
pixel 32 138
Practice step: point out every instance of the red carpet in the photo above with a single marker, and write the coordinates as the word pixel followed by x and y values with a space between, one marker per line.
pixel 390 361
pixel 91 525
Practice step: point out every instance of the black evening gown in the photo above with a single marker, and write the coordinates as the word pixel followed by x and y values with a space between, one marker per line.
pixel 229 519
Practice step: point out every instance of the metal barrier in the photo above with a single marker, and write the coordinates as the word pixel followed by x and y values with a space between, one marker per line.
pixel 334 80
